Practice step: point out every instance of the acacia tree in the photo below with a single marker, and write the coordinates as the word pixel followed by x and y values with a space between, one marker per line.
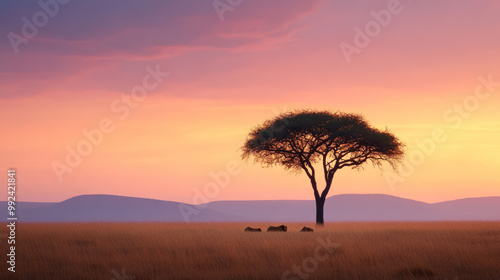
pixel 309 140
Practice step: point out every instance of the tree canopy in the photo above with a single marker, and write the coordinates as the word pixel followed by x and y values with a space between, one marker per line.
pixel 299 140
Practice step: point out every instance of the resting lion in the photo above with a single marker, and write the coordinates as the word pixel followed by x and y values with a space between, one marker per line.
pixel 252 229
pixel 278 228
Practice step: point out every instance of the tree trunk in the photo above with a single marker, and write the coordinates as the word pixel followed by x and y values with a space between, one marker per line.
pixel 320 207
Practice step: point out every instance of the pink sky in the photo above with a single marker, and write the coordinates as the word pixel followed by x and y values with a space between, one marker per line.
pixel 225 77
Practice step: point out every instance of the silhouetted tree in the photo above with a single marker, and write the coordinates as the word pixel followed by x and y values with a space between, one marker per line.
pixel 300 140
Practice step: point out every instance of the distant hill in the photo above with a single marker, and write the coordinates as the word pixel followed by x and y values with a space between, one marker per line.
pixel 350 207
pixel 111 208
pixel 481 208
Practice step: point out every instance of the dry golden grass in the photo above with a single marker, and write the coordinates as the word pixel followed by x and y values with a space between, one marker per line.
pixel 223 251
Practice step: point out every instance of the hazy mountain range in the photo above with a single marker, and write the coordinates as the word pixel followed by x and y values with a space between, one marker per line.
pixel 350 207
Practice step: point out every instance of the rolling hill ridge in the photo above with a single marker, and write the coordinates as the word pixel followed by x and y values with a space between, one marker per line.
pixel 348 207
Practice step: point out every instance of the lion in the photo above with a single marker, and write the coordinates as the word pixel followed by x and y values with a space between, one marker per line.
pixel 281 228
pixel 250 229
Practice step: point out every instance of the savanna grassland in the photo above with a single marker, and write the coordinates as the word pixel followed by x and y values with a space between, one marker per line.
pixel 223 251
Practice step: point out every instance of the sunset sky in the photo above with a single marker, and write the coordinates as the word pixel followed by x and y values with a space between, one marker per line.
pixel 430 65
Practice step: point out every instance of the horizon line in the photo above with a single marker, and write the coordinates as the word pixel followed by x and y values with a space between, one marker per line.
pixel 232 200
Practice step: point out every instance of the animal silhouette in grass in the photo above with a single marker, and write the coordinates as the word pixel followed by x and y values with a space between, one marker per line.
pixel 281 228
pixel 251 229
pixel 309 140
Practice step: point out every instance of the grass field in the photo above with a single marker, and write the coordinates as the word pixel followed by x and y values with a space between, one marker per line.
pixel 223 251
